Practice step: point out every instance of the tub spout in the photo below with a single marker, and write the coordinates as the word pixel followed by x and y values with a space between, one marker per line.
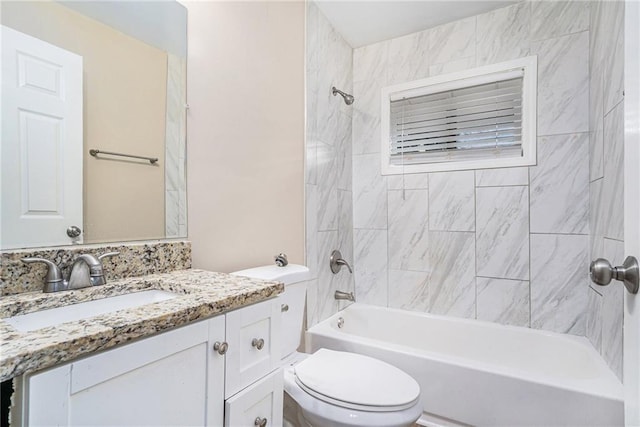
pixel 345 295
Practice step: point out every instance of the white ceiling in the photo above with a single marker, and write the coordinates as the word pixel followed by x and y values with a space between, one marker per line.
pixel 362 22
pixel 162 24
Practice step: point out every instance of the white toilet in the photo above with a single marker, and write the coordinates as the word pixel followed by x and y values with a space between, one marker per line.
pixel 333 388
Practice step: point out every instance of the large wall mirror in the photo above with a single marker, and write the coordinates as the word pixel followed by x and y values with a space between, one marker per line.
pixel 81 76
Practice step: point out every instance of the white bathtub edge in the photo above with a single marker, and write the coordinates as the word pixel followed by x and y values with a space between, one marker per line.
pixel 606 386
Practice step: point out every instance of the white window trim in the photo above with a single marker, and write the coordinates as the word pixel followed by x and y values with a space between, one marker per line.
pixel 458 80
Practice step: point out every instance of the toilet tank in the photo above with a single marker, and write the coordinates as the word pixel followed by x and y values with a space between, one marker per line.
pixel 292 300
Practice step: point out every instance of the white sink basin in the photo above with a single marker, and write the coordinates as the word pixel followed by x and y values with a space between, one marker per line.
pixel 84 310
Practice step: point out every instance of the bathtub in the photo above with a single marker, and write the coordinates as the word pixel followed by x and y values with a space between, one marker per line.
pixel 479 373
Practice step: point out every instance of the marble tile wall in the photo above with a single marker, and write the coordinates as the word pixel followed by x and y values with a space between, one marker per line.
pixel 328 170
pixel 606 64
pixel 493 244
pixel 175 148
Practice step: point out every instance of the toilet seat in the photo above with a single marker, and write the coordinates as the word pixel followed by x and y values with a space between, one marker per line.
pixel 356 382
pixel 326 411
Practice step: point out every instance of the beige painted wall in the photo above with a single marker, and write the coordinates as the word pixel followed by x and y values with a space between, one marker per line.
pixel 124 111
pixel 245 133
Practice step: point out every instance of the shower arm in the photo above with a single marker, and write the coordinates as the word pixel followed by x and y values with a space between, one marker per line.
pixel 348 99
pixel 336 91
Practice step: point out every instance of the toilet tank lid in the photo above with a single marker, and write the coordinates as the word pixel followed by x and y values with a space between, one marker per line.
pixel 292 273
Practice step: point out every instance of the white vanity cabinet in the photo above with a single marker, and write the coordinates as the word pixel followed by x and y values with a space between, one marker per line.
pixel 180 377
pixel 173 378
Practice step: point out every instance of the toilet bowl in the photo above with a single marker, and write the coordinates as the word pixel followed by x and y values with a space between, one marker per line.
pixel 334 388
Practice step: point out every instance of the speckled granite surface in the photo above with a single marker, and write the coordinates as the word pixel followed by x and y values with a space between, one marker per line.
pixel 135 259
pixel 201 294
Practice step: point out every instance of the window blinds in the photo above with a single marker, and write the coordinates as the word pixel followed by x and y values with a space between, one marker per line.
pixel 473 122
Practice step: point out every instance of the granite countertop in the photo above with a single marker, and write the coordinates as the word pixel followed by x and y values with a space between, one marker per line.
pixel 202 294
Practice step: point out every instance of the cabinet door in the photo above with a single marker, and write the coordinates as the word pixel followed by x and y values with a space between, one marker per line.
pixel 253 334
pixel 160 380
pixel 215 373
pixel 260 404
pixel 292 305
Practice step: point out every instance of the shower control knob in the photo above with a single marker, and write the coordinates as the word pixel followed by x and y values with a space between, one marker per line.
pixel 260 422
pixel 601 273
pixel 221 347
pixel 257 343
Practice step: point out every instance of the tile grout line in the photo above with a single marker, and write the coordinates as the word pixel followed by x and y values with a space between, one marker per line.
pixel 563 134
pixel 388 237
pixel 503 278
pixel 557 37
pixel 500 186
pixel 530 256
pixel 475 236
pixel 558 234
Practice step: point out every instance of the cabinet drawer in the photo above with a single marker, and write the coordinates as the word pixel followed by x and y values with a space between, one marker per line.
pixel 260 402
pixel 253 334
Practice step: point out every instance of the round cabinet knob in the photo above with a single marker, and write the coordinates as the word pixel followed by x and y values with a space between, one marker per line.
pixel 257 343
pixel 284 308
pixel 260 422
pixel 74 231
pixel 221 347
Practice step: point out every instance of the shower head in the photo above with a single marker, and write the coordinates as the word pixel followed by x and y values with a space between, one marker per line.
pixel 348 99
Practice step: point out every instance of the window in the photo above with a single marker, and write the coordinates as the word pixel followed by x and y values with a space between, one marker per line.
pixel 479 118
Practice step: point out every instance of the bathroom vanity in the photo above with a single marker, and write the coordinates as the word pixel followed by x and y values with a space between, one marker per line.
pixel 207 356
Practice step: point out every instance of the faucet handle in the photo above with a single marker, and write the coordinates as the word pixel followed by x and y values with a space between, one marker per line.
pixel 336 262
pixel 101 279
pixel 53 279
pixel 108 254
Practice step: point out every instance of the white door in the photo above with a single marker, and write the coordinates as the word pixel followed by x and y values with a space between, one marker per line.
pixel 41 145
pixel 632 208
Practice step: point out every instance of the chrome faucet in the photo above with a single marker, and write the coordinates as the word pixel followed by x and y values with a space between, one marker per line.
pixel 336 262
pixel 339 295
pixel 86 271
pixel 81 278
